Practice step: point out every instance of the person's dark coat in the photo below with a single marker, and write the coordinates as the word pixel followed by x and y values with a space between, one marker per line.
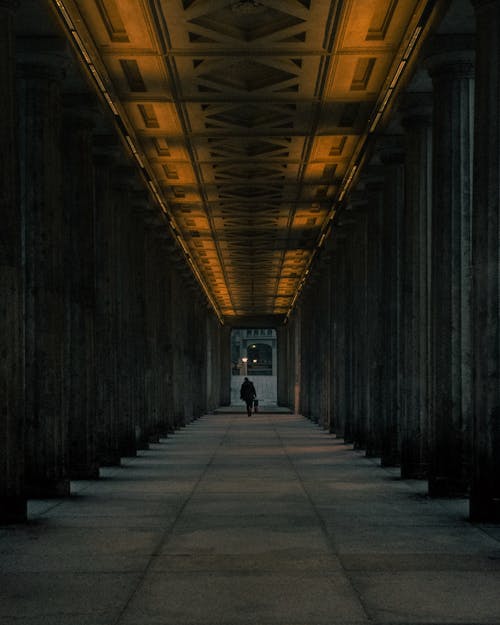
pixel 247 391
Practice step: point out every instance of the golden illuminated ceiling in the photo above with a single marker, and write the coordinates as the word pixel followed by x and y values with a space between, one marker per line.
pixel 247 117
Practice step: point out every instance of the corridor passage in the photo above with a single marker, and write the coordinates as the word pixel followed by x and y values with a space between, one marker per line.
pixel 262 520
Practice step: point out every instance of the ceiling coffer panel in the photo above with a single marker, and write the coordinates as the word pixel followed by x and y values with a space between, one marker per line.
pixel 248 116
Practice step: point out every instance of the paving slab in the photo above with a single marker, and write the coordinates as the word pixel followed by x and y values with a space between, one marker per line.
pixel 262 521
pixel 245 599
pixel 431 597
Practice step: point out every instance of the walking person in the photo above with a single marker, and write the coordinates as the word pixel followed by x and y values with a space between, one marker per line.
pixel 248 394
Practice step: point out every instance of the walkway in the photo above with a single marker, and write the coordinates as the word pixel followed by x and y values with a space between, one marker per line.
pixel 262 520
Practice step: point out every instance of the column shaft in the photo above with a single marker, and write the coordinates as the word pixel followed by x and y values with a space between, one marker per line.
pixel 79 231
pixel 12 499
pixel 339 320
pixel 485 491
pixel 451 375
pixel 373 335
pixel 393 208
pixel 123 281
pixel 415 305
pixel 359 387
pixel 42 211
pixel 106 248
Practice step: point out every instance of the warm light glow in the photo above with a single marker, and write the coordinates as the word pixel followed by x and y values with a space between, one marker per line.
pixel 207 201
pixel 124 121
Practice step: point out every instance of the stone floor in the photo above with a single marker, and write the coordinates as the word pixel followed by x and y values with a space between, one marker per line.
pixel 262 520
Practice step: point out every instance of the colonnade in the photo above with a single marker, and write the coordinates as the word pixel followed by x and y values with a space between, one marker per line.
pixel 108 342
pixel 402 335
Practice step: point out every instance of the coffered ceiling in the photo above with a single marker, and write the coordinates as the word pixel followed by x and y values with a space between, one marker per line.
pixel 249 120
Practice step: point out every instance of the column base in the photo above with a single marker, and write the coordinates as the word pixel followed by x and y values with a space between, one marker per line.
pixel 373 452
pixel 390 461
pixel 90 472
pixel 13 510
pixel 143 444
pixel 110 460
pixel 414 471
pixel 48 489
pixel 128 448
pixel 445 487
pixel 484 509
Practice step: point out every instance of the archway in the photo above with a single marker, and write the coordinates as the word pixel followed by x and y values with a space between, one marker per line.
pixel 254 355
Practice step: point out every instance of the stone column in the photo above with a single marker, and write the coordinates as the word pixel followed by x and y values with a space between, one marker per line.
pixel 225 354
pixel 216 377
pixel 189 338
pixel 158 311
pixel 12 499
pixel 373 333
pixel 358 343
pixel 167 331
pixel 451 375
pixel 282 365
pixel 123 281
pixel 79 238
pixel 392 157
pixel 324 341
pixel 485 490
pixel 138 320
pixel 339 324
pixel 415 287
pixel 297 357
pixel 211 362
pixel 178 312
pixel 349 226
pixel 40 76
pixel 306 331
pixel 156 352
pixel 106 153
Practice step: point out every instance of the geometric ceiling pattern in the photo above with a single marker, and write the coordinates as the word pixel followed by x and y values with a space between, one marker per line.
pixel 247 116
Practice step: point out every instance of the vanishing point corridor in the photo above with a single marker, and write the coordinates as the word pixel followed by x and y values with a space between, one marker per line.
pixel 263 520
pixel 304 193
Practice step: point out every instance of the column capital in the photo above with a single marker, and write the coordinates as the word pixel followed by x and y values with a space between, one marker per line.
pixel 415 108
pixel 9 5
pixel 125 176
pixel 450 55
pixel 480 4
pixel 80 109
pixel 107 150
pixel 142 201
pixel 390 149
pixel 357 201
pixel 42 57
pixel 372 177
